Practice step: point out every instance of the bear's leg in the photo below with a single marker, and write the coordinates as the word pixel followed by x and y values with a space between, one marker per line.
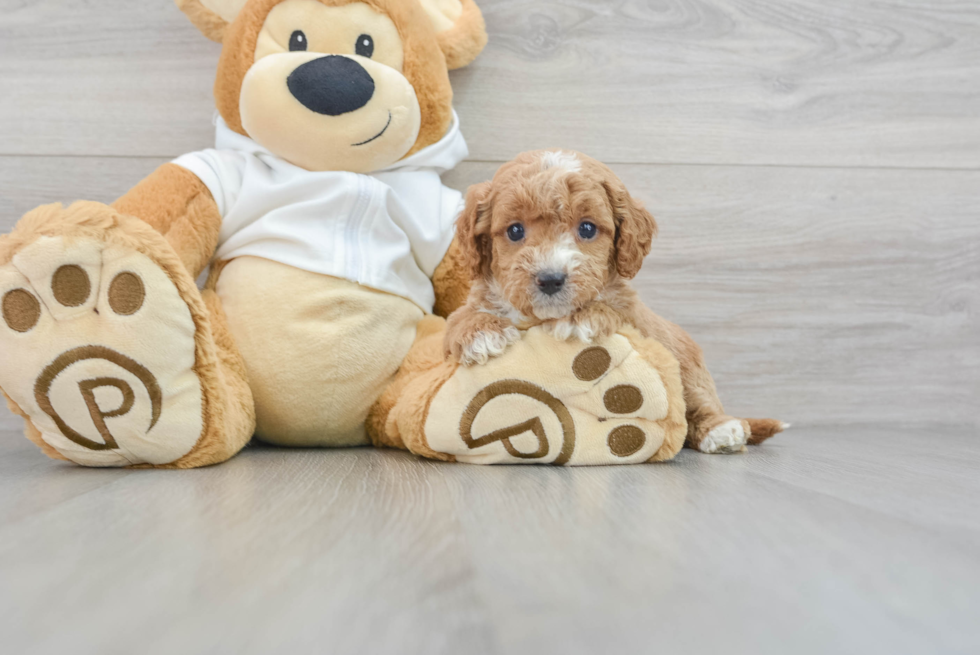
pixel 616 401
pixel 109 351
pixel 422 369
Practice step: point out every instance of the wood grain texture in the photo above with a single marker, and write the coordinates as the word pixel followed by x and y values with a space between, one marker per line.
pixel 819 295
pixel 890 83
pixel 9 422
pixel 824 540
pixel 822 242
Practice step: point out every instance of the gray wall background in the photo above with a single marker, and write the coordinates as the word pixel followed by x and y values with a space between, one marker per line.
pixel 814 166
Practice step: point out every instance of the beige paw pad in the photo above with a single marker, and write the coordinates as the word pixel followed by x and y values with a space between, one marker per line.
pixel 98 350
pixel 553 402
pixel 64 274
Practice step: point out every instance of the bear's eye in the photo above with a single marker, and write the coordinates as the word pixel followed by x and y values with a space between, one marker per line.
pixel 587 230
pixel 365 46
pixel 515 232
pixel 298 42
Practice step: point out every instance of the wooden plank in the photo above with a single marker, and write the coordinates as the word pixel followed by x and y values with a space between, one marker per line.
pixel 9 422
pixel 823 540
pixel 892 83
pixel 713 554
pixel 731 82
pixel 32 181
pixel 819 295
pixel 117 78
pixel 354 550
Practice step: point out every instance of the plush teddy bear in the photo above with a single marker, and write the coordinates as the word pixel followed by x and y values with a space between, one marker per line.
pixel 330 245
pixel 323 218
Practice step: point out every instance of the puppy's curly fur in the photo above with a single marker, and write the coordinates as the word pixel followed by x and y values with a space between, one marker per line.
pixel 553 240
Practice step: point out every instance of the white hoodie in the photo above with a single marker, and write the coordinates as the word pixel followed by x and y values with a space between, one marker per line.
pixel 388 230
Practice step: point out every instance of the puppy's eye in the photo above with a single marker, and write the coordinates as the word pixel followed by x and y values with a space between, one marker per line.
pixel 588 231
pixel 515 232
pixel 365 46
pixel 298 42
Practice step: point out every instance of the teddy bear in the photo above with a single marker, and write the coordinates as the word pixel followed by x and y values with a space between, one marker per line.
pixel 331 260
pixel 319 215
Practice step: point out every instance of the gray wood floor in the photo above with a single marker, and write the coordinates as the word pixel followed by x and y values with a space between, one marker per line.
pixel 825 541
pixel 815 169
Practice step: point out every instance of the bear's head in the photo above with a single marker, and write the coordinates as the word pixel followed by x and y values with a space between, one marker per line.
pixel 352 85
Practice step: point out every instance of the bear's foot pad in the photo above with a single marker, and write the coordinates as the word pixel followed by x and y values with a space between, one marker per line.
pixel 99 352
pixel 561 403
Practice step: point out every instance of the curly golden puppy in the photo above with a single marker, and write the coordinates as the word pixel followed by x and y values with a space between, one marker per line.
pixel 553 240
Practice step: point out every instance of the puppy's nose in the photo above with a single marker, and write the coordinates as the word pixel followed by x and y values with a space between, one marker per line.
pixel 331 85
pixel 551 283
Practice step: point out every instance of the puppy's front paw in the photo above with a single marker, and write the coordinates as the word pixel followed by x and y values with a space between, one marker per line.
pixel 486 344
pixel 566 329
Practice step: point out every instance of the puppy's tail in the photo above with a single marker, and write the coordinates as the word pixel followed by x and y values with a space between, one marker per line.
pixel 764 428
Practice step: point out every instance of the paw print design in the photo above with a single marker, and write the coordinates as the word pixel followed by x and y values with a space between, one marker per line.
pixel 99 350
pixel 551 402
pixel 620 400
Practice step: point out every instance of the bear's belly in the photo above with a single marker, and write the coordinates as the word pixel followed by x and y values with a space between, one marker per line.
pixel 319 350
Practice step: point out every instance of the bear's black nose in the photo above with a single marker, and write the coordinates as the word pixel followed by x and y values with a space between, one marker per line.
pixel 331 85
pixel 551 283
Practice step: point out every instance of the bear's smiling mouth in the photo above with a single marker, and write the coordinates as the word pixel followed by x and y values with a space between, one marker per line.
pixel 376 136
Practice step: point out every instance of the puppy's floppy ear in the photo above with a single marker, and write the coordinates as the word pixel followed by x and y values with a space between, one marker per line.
pixel 635 228
pixel 473 230
pixel 211 16
pixel 460 29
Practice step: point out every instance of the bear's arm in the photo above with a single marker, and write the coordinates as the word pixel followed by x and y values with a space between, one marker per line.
pixel 451 281
pixel 179 206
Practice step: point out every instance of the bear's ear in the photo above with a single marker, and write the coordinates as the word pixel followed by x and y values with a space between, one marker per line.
pixel 211 16
pixel 459 27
